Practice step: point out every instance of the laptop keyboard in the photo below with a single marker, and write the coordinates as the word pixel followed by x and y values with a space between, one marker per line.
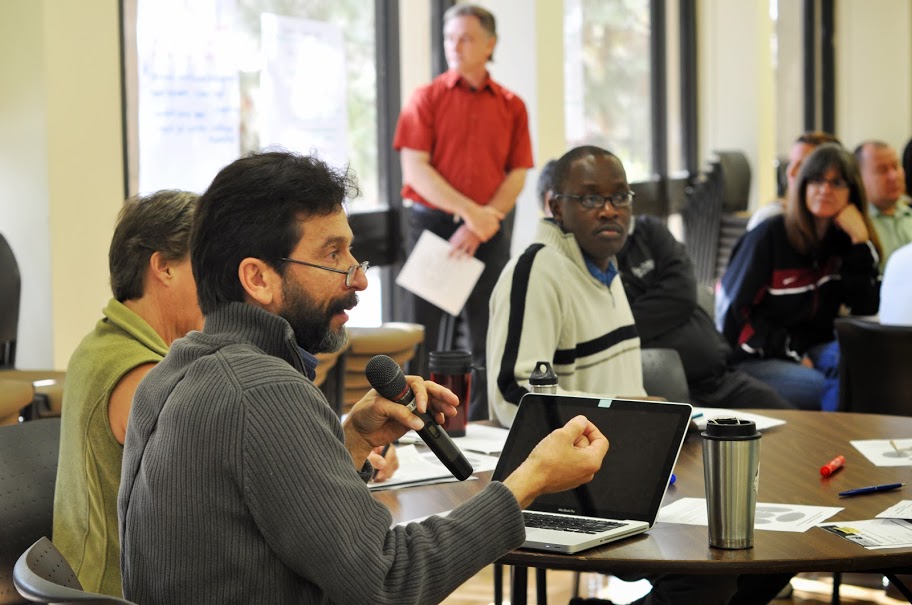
pixel 572 524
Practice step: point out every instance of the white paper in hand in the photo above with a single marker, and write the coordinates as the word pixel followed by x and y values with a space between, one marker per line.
pixel 430 272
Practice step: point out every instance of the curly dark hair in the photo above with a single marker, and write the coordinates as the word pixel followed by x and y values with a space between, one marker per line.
pixel 253 209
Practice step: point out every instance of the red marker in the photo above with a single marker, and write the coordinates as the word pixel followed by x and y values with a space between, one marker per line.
pixel 832 466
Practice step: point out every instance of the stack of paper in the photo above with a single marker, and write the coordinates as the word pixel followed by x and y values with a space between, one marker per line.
pixel 423 468
pixel 478 438
pixel 891 528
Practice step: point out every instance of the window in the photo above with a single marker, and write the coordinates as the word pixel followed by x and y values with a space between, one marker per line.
pixel 216 79
pixel 207 81
pixel 607 67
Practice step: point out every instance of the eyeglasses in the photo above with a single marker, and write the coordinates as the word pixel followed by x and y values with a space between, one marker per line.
pixel 348 273
pixel 593 201
pixel 834 183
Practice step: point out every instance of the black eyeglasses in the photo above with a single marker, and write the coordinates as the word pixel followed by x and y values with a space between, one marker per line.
pixel 348 273
pixel 836 183
pixel 593 201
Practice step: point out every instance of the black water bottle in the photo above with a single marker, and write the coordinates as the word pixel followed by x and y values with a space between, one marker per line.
pixel 543 379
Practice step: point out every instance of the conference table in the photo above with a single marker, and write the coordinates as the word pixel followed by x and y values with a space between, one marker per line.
pixel 790 459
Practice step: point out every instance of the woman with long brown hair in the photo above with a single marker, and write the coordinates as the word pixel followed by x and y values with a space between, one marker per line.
pixel 789 278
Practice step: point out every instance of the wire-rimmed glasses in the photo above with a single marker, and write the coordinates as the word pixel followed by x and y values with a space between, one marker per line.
pixel 348 273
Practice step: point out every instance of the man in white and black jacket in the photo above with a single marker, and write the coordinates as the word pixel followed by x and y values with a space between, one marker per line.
pixel 660 283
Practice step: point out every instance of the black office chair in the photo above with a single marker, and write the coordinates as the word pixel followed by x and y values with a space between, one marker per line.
pixel 28 471
pixel 42 575
pixel 869 383
pixel 715 214
pixel 663 375
pixel 873 384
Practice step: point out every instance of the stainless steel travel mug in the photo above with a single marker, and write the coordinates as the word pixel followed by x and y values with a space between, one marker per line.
pixel 731 470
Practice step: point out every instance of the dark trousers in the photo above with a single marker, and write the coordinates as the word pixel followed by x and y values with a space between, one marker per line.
pixel 494 253
pixel 735 389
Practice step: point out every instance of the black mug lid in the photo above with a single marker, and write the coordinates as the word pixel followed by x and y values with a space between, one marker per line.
pixel 730 428
pixel 450 362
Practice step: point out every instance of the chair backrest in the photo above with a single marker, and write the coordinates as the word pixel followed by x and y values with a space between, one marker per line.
pixel 401 341
pixel 10 284
pixel 736 180
pixel 330 376
pixel 43 575
pixel 714 216
pixel 879 382
pixel 14 396
pixel 28 472
pixel 663 375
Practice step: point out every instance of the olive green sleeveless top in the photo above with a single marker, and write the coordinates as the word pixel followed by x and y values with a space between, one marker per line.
pixel 88 473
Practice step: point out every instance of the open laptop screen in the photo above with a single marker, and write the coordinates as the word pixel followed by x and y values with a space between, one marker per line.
pixel 645 438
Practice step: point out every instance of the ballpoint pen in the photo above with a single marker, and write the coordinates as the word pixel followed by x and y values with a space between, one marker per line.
pixel 871 489
pixel 382 455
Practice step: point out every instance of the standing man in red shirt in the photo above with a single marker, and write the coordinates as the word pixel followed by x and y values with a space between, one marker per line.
pixel 465 148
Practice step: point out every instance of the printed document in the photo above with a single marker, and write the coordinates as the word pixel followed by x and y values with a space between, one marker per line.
pixel 774 517
pixel 886 452
pixel 874 534
pixel 431 273
pixel 423 468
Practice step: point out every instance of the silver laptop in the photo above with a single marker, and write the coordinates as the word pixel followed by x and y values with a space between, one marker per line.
pixel 624 497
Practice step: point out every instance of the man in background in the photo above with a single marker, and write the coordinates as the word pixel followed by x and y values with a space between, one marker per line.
pixel 884 182
pixel 801 148
pixel 562 301
pixel 661 285
pixel 465 148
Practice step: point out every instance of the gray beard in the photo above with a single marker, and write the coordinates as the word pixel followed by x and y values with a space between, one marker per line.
pixel 332 341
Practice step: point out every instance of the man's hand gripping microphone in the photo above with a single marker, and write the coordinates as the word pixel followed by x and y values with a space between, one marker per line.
pixel 386 377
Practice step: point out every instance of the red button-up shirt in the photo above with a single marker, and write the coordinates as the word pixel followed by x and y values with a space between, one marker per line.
pixel 474 136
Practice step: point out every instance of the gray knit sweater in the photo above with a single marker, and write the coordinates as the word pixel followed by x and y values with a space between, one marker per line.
pixel 237 488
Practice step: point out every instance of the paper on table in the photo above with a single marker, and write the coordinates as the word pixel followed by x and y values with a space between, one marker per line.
pixel 773 517
pixel 430 272
pixel 900 510
pixel 874 534
pixel 886 452
pixel 423 468
pixel 479 438
pixel 701 415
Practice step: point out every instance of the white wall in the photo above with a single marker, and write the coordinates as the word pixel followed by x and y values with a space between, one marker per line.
pixel 735 89
pixel 61 175
pixel 414 42
pixel 516 67
pixel 874 72
pixel 24 211
pixel 789 75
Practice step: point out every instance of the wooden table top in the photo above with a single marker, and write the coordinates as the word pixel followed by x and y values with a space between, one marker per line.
pixel 790 459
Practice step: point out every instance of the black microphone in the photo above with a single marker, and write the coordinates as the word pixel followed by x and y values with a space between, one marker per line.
pixel 386 376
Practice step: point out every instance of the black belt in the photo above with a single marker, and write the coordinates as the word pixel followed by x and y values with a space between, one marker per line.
pixel 428 211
